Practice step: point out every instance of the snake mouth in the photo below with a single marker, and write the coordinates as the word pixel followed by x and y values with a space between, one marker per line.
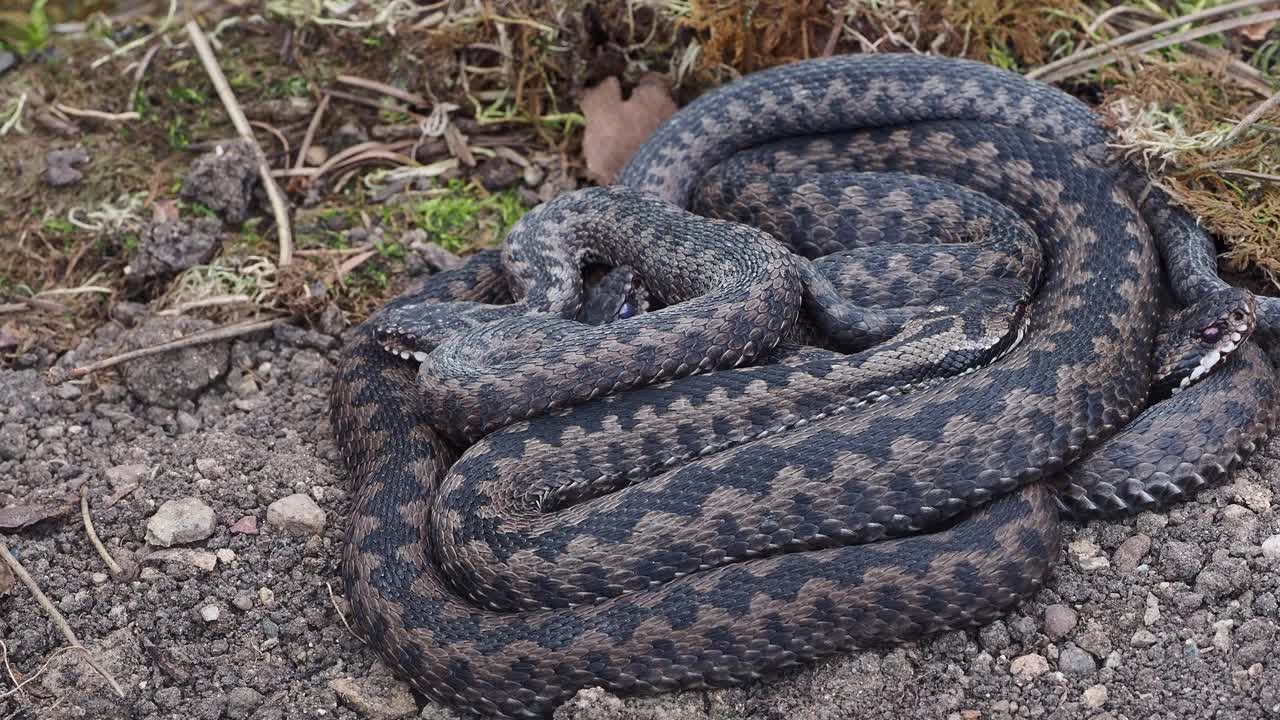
pixel 415 355
pixel 1213 357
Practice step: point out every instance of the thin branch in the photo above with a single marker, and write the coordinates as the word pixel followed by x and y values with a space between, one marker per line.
pixel 311 131
pixel 98 114
pixel 200 338
pixel 1254 116
pixel 1235 172
pixel 55 616
pixel 383 88
pixel 112 565
pixel 278 205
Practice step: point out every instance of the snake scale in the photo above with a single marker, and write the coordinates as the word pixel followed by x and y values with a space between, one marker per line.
pixel 753 461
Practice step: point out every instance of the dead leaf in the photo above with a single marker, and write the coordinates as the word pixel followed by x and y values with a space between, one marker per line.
pixel 1256 32
pixel 165 210
pixel 615 128
pixel 16 517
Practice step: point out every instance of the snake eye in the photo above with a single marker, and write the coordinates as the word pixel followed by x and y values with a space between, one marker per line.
pixel 626 311
pixel 1210 334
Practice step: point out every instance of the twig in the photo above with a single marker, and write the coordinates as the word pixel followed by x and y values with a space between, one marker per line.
pixel 1254 116
pixel 333 600
pixel 215 301
pixel 141 72
pixel 200 338
pixel 389 90
pixel 1264 177
pixel 34 303
pixel 278 206
pixel 83 289
pixel 317 252
pixel 1236 69
pixel 56 616
pixel 98 114
pixel 284 141
pixel 351 264
pixel 1048 72
pixel 116 570
pixel 311 131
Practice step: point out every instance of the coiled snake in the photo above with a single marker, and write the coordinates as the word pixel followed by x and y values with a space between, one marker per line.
pixel 772 461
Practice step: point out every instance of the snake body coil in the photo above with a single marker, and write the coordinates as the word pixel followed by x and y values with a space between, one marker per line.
pixel 674 501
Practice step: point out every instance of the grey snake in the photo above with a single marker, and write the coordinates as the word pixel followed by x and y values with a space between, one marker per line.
pixel 769 464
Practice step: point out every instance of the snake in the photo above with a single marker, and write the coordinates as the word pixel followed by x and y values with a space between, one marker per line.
pixel 737 464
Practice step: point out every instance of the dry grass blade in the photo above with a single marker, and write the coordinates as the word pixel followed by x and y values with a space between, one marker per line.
pixel 384 89
pixel 312 127
pixel 278 205
pixel 112 565
pixel 1048 72
pixel 1238 70
pixel 1254 116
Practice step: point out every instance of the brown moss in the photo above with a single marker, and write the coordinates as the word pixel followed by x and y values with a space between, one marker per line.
pixel 1176 115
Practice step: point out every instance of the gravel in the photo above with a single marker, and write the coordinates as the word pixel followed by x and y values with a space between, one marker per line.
pixel 1179 619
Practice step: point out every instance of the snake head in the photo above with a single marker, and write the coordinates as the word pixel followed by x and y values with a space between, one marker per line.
pixel 618 295
pixel 1196 340
pixel 414 330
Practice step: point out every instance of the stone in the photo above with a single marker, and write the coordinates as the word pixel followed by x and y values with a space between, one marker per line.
pixel 125 475
pixel 1059 620
pixel 226 556
pixel 1143 639
pixel 223 180
pixel 1076 661
pixel 1271 548
pixel 378 698
pixel 1028 667
pixel 166 248
pixel 1152 614
pixel 1095 696
pixel 296 514
pixel 167 379
pixel 178 522
pixel 210 613
pixel 61 167
pixel 1180 560
pixel 1130 553
pixel 247 525
pixel 242 701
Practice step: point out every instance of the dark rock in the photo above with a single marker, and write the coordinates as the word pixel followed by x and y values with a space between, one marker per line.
pixel 167 379
pixel 60 167
pixel 223 181
pixel 168 248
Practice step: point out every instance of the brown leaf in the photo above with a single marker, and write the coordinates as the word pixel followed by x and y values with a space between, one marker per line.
pixel 7 581
pixel 615 128
pixel 16 517
pixel 1256 32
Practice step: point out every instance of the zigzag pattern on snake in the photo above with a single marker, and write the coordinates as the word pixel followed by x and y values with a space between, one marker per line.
pixel 589 535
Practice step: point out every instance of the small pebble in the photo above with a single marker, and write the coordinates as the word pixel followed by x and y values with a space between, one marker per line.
pixel 266 597
pixel 1029 667
pixel 381 697
pixel 1130 553
pixel 1095 696
pixel 181 521
pixel 210 468
pixel 226 556
pixel 1222 634
pixel 1076 661
pixel 243 601
pixel 210 613
pixel 1190 649
pixel 247 525
pixel 99 578
pixel 122 475
pixel 1271 548
pixel 1059 620
pixel 296 514
pixel 1143 638
pixel 1152 614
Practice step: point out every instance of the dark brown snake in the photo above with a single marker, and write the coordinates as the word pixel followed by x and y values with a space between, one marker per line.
pixel 771 464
